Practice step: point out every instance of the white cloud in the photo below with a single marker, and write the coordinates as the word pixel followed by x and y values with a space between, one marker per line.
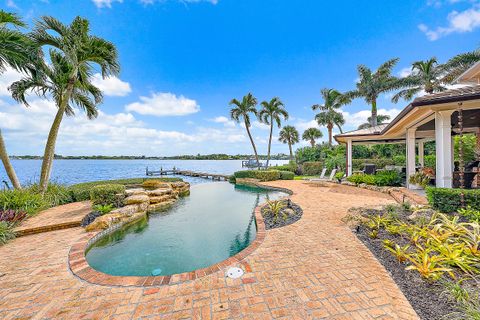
pixel 353 120
pixel 303 125
pixel 164 104
pixel 260 125
pixel 105 3
pixel 224 120
pixel 111 86
pixel 405 72
pixel 458 22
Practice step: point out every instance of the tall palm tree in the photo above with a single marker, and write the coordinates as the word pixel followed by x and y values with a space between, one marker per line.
pixel 73 52
pixel 426 76
pixel 242 110
pixel 459 64
pixel 18 52
pixel 329 115
pixel 372 84
pixel 271 113
pixel 312 134
pixel 381 119
pixel 289 135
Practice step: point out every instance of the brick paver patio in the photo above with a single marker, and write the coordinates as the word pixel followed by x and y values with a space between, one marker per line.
pixel 313 269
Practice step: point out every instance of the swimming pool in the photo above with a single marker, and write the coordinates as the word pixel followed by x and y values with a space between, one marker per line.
pixel 214 223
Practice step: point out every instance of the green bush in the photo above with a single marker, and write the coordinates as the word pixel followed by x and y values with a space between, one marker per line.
pixel 107 194
pixel 312 168
pixel 359 164
pixel 448 200
pixel 287 175
pixel 262 175
pixel 399 160
pixel 286 167
pixel 389 178
pixel 81 191
pixel 430 161
pixel 23 200
pixel 6 232
pixel 359 178
pixel 56 194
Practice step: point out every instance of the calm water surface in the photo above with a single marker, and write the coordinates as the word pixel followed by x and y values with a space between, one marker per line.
pixel 214 223
pixel 76 171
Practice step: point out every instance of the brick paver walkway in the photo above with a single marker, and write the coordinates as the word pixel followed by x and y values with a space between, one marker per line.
pixel 313 269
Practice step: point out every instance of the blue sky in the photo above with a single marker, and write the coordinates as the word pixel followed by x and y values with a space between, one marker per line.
pixel 183 61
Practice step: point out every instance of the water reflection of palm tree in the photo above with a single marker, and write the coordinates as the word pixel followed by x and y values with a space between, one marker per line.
pixel 238 244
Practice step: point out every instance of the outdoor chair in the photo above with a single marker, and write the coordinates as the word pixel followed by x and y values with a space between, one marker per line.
pixel 370 169
pixel 322 175
pixel 330 178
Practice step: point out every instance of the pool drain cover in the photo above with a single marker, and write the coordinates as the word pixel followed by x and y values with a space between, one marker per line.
pixel 234 273
pixel 156 272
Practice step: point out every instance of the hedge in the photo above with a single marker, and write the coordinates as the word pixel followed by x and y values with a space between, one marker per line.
pixel 262 175
pixel 359 164
pixel 81 191
pixel 286 175
pixel 448 200
pixel 285 167
pixel 107 194
pixel 312 168
pixel 384 178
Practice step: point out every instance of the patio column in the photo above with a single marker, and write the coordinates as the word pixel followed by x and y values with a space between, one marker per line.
pixel 421 154
pixel 410 153
pixel 349 158
pixel 443 148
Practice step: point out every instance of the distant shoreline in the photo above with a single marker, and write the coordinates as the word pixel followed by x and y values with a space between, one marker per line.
pixel 207 157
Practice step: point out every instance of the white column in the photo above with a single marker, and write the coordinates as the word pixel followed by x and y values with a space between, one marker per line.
pixel 410 153
pixel 443 148
pixel 421 154
pixel 349 158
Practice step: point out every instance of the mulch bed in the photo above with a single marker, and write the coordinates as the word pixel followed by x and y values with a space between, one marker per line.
pixel 426 298
pixel 294 214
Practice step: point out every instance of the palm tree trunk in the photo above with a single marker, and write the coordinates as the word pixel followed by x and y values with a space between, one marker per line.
pixel 251 140
pixel 7 165
pixel 330 129
pixel 374 112
pixel 312 142
pixel 291 152
pixel 49 153
pixel 270 140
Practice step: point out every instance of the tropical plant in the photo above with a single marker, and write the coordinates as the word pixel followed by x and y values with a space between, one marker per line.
pixel 468 301
pixel 329 115
pixel 430 266
pixel 67 78
pixel 275 207
pixel 12 216
pixel 420 179
pixel 242 110
pixel 312 134
pixel 18 52
pixel 6 232
pixel 372 84
pixel 426 76
pixel 400 253
pixel 381 119
pixel 103 209
pixel 272 112
pixel 459 64
pixel 289 135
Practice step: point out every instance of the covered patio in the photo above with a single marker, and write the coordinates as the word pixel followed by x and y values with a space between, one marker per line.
pixel 436 117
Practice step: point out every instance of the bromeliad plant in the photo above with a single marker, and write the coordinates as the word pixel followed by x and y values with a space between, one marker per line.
pixel 275 208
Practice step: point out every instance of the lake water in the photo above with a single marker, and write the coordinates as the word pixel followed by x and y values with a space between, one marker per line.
pixel 76 171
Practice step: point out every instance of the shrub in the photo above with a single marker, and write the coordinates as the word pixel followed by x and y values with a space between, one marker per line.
pixel 12 216
pixel 262 175
pixel 388 178
pixel 23 200
pixel 107 194
pixel 292 167
pixel 55 195
pixel 470 213
pixel 286 175
pixel 399 160
pixel 6 232
pixel 339 175
pixel 420 178
pixel 356 178
pixel 103 209
pixel 359 164
pixel 448 200
pixel 312 168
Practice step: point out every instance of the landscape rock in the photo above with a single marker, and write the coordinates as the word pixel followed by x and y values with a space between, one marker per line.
pixel 136 199
pixel 159 192
pixel 425 214
pixel 127 210
pixel 160 206
pixel 164 198
pixel 105 221
pixel 135 191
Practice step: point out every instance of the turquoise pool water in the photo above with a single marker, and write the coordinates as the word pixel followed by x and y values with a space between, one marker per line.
pixel 214 223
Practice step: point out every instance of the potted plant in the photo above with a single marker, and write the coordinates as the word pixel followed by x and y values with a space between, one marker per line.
pixel 419 181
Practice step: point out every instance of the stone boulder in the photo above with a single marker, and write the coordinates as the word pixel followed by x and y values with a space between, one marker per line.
pixel 159 192
pixel 136 199
pixel 164 198
pixel 424 214
pixel 127 211
pixel 135 191
pixel 160 206
pixel 105 221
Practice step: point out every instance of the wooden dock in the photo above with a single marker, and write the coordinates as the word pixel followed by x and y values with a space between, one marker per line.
pixel 187 173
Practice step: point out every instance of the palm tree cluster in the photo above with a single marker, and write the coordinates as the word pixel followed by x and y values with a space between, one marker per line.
pixel 66 78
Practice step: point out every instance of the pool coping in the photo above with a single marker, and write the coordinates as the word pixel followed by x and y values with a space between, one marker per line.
pixel 78 264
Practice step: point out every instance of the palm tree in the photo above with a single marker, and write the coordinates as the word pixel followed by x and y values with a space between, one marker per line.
pixel 372 84
pixel 381 119
pixel 311 134
pixel 18 52
pixel 73 52
pixel 426 76
pixel 289 135
pixel 242 109
pixel 329 116
pixel 459 64
pixel 271 113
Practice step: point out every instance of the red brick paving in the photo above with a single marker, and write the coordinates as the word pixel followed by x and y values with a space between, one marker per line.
pixel 313 269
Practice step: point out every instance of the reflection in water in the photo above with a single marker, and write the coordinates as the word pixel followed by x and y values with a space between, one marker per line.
pixel 138 227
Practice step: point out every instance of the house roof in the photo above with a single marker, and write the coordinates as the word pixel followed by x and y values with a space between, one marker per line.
pixel 415 111
pixel 472 75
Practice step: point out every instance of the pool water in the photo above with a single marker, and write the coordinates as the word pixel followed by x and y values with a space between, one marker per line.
pixel 212 224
